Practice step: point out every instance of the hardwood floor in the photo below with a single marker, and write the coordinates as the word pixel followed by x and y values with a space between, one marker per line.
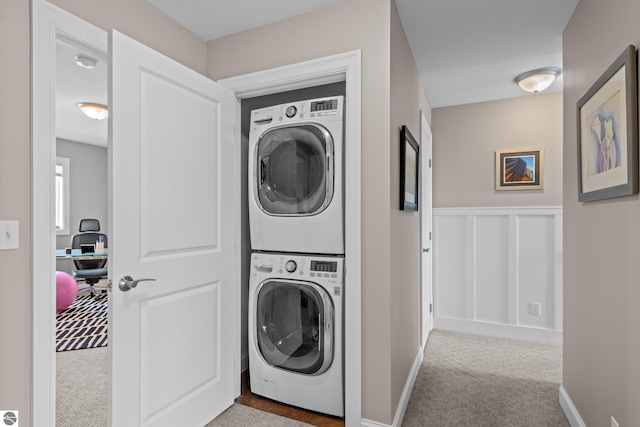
pixel 258 402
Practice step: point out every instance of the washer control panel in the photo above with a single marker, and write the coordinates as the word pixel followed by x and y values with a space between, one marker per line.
pixel 295 266
pixel 328 109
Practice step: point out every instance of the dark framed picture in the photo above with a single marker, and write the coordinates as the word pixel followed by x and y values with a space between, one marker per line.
pixel 521 169
pixel 608 132
pixel 409 163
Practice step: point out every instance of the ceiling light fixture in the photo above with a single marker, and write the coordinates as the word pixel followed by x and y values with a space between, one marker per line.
pixel 94 111
pixel 537 80
pixel 86 62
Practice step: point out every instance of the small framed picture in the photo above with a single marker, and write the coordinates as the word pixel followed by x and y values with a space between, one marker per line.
pixel 608 132
pixel 520 169
pixel 409 163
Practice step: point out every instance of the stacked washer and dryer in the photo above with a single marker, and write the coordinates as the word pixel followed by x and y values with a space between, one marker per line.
pixel 296 282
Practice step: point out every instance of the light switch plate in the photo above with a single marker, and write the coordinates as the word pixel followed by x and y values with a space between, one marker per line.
pixel 9 235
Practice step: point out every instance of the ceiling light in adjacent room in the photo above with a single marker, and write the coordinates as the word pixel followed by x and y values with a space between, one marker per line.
pixel 94 111
pixel 86 62
pixel 537 80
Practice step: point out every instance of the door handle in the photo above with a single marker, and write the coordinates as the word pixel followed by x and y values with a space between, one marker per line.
pixel 425 249
pixel 128 283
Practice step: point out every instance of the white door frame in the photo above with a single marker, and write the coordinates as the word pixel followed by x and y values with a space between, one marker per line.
pixel 342 67
pixel 49 22
pixel 426 221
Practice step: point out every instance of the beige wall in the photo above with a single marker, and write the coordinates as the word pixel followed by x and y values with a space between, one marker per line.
pixel 385 367
pixel 466 137
pixel 407 99
pixel 314 35
pixel 15 194
pixel 601 369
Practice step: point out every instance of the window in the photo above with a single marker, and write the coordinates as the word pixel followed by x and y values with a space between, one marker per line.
pixel 62 196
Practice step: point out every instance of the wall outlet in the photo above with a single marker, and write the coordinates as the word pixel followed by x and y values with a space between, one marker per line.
pixel 614 423
pixel 535 308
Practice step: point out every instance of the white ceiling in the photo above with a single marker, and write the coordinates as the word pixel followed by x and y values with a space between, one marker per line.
pixel 471 50
pixel 466 50
pixel 75 84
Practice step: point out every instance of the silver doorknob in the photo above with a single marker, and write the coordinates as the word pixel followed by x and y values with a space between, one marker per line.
pixel 127 283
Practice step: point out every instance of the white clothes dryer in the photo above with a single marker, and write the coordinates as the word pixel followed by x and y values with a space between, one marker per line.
pixel 296 329
pixel 296 177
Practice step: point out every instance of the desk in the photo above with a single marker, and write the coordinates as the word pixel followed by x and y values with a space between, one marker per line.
pixel 76 254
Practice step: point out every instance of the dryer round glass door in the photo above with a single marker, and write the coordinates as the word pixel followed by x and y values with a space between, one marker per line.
pixel 294 326
pixel 294 170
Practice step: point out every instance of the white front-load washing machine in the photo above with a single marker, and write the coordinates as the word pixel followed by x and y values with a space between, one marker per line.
pixel 296 177
pixel 295 330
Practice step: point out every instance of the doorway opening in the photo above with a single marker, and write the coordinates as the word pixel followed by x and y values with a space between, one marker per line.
pixel 81 328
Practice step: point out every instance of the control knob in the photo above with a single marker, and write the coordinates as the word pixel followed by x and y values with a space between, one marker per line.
pixel 291 111
pixel 291 266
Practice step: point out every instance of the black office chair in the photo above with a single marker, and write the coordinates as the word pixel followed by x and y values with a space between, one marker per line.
pixel 91 270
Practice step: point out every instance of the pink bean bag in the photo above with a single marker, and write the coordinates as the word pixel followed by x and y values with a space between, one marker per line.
pixel 66 290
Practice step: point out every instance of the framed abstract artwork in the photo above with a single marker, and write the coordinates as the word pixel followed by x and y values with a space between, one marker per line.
pixel 409 163
pixel 608 132
pixel 520 169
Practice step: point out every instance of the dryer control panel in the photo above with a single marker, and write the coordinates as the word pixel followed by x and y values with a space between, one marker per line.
pixel 294 266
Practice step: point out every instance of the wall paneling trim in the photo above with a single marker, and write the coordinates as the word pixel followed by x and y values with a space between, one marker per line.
pixel 498 272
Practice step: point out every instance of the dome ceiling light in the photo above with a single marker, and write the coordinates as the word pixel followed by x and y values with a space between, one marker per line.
pixel 93 110
pixel 537 80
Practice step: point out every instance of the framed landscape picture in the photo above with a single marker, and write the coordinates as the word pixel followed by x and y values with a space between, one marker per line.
pixel 520 169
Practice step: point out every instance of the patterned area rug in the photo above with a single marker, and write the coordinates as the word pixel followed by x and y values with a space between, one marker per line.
pixel 83 324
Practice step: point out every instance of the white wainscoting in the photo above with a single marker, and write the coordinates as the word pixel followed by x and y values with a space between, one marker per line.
pixel 491 264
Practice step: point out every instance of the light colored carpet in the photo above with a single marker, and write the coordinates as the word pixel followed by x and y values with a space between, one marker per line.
pixel 81 387
pixel 465 381
pixel 477 381
pixel 81 397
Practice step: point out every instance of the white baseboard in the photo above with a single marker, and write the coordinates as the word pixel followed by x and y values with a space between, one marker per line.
pixel 522 333
pixel 408 388
pixel 369 423
pixel 406 395
pixel 570 411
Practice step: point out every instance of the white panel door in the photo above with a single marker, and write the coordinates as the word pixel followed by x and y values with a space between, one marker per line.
pixel 426 270
pixel 174 196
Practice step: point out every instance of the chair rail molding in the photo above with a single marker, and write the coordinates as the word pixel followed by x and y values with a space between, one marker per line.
pixel 498 271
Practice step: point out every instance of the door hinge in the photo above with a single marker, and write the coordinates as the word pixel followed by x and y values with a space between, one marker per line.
pixel 429 235
pixel 430 308
pixel 429 162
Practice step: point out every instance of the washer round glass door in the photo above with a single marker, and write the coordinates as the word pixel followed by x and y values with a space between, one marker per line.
pixel 294 170
pixel 294 326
